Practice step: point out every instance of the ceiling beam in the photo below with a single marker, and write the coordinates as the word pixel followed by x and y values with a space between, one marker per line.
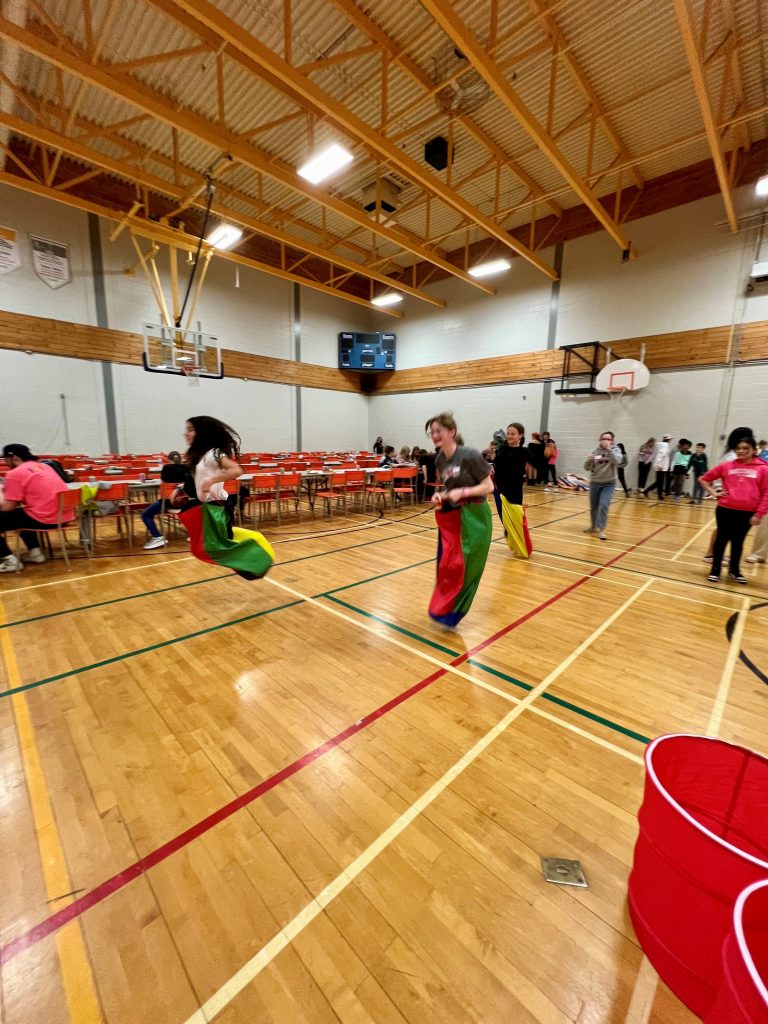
pixel 128 89
pixel 243 42
pixel 562 51
pixel 488 68
pixel 136 175
pixel 365 24
pixel 172 236
pixel 696 65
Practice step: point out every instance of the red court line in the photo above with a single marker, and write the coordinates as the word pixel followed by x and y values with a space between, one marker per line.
pixel 133 871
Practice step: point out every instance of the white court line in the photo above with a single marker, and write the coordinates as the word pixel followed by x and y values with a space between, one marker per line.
pixel 695 537
pixel 253 967
pixel 643 994
pixel 96 575
pixel 721 697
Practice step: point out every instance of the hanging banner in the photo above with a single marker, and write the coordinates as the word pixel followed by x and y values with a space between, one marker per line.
pixel 10 255
pixel 51 261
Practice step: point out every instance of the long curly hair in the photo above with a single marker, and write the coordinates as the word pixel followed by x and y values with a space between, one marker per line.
pixel 211 434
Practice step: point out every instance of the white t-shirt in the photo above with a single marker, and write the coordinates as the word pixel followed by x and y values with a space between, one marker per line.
pixel 207 467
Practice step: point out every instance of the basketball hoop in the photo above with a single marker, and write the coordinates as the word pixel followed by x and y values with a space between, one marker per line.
pixel 192 372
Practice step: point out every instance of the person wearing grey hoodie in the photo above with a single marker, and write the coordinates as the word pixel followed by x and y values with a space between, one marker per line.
pixel 603 464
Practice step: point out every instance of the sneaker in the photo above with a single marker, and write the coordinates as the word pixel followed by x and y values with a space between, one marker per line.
pixel 714 577
pixel 754 558
pixel 590 529
pixel 707 558
pixel 601 535
pixel 737 578
pixel 35 556
pixel 155 542
pixel 10 564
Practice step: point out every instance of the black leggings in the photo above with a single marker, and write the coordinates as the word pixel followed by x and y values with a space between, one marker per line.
pixel 643 469
pixel 622 481
pixel 659 484
pixel 732 525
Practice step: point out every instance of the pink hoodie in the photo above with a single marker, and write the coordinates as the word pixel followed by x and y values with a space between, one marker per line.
pixel 746 485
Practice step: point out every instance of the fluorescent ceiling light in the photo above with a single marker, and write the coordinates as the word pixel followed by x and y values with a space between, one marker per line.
pixel 387 299
pixel 487 269
pixel 761 188
pixel 224 236
pixel 325 163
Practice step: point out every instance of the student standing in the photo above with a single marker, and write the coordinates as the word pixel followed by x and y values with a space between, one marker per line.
pixel 535 457
pixel 644 461
pixel 509 476
pixel 549 467
pixel 463 520
pixel 680 466
pixel 660 465
pixel 742 504
pixel 602 464
pixel 620 469
pixel 699 465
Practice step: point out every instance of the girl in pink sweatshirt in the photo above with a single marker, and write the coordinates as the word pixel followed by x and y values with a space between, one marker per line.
pixel 743 503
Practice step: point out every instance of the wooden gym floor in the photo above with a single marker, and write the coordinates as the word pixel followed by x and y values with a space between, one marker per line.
pixel 299 800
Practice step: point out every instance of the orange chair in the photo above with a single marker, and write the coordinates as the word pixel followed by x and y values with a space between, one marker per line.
pixel 336 491
pixel 355 484
pixel 69 501
pixel 263 494
pixel 404 481
pixel 289 488
pixel 381 487
pixel 117 493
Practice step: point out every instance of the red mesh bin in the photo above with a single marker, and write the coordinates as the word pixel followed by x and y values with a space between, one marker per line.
pixel 743 994
pixel 703 839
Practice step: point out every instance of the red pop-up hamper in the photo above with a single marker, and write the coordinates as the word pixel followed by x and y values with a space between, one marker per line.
pixel 743 994
pixel 703 839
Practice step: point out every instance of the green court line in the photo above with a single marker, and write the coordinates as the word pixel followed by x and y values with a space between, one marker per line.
pixel 495 672
pixel 194 583
pixel 146 650
pixel 201 632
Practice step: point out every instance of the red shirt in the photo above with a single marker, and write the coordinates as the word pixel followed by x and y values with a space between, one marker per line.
pixel 745 483
pixel 37 486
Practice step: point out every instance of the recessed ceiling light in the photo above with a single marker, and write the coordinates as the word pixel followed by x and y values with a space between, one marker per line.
pixel 761 188
pixel 387 299
pixel 325 163
pixel 487 269
pixel 224 236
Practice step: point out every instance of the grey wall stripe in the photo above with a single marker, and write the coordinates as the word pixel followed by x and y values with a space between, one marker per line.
pixel 296 314
pixel 554 302
pixel 97 264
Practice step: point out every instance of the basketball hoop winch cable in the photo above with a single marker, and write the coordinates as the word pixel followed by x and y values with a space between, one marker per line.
pixel 211 189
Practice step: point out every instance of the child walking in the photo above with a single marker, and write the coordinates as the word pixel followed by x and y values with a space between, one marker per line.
pixel 699 465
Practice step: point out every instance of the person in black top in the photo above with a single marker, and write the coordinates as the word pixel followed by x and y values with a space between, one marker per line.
pixel 535 457
pixel 378 446
pixel 428 473
pixel 509 469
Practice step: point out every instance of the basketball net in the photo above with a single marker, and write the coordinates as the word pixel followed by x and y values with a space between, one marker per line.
pixel 192 372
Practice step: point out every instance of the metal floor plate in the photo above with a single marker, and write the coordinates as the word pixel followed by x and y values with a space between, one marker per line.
pixel 563 872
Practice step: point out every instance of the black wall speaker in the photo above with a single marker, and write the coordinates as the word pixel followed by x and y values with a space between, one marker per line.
pixel 437 153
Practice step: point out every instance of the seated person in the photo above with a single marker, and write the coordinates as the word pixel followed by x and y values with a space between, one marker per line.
pixel 151 512
pixel 29 501
pixel 388 458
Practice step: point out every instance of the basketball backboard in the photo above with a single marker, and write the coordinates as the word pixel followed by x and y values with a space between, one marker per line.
pixel 623 375
pixel 174 350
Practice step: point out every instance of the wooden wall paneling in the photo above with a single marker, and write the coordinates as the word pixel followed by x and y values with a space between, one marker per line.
pixel 81 341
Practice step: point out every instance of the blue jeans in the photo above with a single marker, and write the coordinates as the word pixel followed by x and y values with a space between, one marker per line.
pixel 698 490
pixel 599 499
pixel 148 517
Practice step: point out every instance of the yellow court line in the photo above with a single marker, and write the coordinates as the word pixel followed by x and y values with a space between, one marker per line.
pixel 253 967
pixel 724 688
pixel 76 976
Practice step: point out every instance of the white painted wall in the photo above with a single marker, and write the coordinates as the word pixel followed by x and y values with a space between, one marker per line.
pixel 333 420
pixel 478 411
pixel 31 410
pixel 474 325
